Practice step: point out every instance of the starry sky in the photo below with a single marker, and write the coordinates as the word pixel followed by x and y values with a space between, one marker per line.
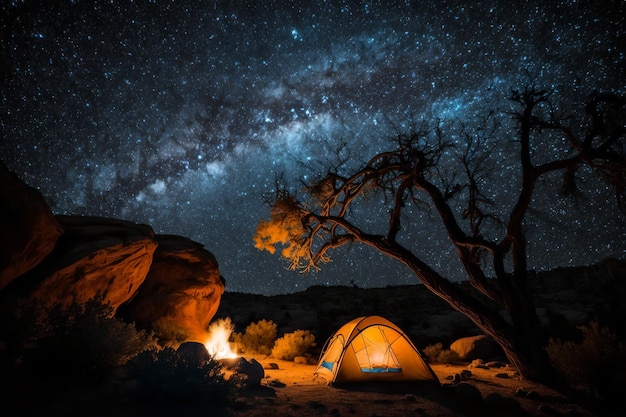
pixel 180 114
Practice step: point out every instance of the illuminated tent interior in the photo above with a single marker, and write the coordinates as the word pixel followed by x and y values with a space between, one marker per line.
pixel 372 348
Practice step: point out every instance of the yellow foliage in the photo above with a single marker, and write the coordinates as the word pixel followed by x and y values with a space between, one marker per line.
pixel 269 234
pixel 285 228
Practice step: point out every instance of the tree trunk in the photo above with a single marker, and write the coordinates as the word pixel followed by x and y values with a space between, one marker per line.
pixel 522 346
pixel 520 339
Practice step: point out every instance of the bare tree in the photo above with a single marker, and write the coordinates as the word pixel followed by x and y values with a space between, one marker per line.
pixel 490 243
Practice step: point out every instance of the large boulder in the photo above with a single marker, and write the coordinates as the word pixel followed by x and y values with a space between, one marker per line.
pixel 476 347
pixel 28 229
pixel 252 370
pixel 182 290
pixel 193 353
pixel 94 256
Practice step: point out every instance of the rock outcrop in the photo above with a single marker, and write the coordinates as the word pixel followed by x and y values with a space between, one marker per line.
pixel 476 347
pixel 182 290
pixel 171 280
pixel 28 229
pixel 95 255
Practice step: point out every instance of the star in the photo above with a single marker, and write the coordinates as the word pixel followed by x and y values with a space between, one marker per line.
pixel 181 114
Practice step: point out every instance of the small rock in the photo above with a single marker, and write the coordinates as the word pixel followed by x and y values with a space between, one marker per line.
pixel 502 375
pixel 478 363
pixel 466 374
pixel 302 360
pixel 499 401
pixel 546 409
pixel 271 365
pixel 533 395
pixel 275 383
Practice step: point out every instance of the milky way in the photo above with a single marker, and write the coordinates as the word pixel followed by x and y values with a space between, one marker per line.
pixel 180 114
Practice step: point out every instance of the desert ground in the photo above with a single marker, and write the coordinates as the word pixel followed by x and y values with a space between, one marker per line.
pixel 294 390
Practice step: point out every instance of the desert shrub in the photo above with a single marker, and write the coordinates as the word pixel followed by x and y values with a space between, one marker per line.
pixel 432 352
pixel 448 356
pixel 165 377
pixel 80 343
pixel 258 337
pixel 293 344
pixel 437 354
pixel 596 362
pixel 168 333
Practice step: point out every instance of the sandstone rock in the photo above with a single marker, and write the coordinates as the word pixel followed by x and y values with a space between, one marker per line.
pixel 481 346
pixel 478 364
pixel 253 371
pixel 28 228
pixel 495 364
pixel 94 255
pixel 193 353
pixel 466 374
pixel 182 290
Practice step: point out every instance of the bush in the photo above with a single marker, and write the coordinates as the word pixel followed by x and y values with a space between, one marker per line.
pixel 78 343
pixel 437 354
pixel 259 338
pixel 596 362
pixel 293 344
pixel 168 333
pixel 165 377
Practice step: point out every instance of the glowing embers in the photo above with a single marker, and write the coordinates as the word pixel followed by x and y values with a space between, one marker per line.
pixel 218 343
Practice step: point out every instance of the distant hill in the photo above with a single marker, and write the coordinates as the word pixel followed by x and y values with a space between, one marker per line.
pixel 566 297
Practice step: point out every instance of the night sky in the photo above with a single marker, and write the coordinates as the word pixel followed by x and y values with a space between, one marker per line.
pixel 180 114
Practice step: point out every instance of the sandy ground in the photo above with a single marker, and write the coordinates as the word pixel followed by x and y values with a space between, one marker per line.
pixel 294 390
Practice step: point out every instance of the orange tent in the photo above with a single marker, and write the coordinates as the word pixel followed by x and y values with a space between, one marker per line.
pixel 372 349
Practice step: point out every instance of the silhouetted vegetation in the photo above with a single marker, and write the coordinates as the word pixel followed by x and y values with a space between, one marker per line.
pixel 594 362
pixel 168 334
pixel 77 344
pixel 259 337
pixel 47 351
pixel 437 354
pixel 165 377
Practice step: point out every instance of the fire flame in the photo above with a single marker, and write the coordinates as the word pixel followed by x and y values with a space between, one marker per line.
pixel 217 344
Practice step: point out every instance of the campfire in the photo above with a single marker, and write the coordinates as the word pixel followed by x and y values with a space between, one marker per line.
pixel 220 349
pixel 217 344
